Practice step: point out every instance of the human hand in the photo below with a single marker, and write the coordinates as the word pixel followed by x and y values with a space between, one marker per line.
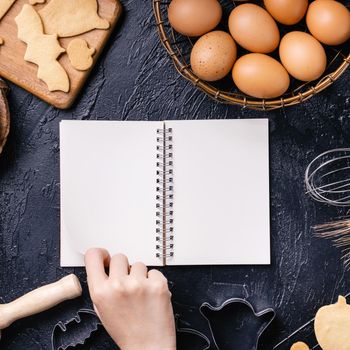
pixel 134 305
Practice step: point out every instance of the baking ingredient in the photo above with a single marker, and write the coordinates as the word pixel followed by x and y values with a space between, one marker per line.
pixel 213 55
pixel 287 11
pixel 329 21
pixel 5 5
pixel 79 54
pixel 260 76
pixel 332 324
pixel 42 49
pixel 299 346
pixel 71 17
pixel 194 17
pixel 303 56
pixel 253 28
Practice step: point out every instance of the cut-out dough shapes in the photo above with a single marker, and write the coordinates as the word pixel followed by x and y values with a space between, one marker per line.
pixel 34 2
pixel 79 54
pixel 5 5
pixel 299 346
pixel 332 325
pixel 71 17
pixel 42 49
pixel 2 41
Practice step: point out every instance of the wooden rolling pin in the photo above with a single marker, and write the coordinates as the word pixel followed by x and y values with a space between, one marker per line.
pixel 39 300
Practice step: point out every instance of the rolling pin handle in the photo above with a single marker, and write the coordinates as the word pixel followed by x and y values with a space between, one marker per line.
pixel 40 300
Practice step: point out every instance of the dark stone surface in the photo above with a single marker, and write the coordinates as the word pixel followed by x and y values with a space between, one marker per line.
pixel 135 80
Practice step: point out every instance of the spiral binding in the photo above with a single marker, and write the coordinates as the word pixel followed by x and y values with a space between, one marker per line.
pixel 164 206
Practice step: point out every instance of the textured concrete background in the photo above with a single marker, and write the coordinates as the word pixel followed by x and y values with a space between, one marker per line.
pixel 135 80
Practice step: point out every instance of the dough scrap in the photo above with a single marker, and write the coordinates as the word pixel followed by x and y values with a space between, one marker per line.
pixel 299 346
pixel 71 17
pixel 5 5
pixel 332 326
pixel 34 2
pixel 42 49
pixel 79 54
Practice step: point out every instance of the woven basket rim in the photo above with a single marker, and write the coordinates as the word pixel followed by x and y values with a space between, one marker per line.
pixel 4 115
pixel 241 99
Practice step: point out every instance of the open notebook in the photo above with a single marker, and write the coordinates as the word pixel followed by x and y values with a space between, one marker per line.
pixel 166 193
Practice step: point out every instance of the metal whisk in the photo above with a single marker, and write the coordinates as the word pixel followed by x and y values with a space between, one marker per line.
pixel 327 178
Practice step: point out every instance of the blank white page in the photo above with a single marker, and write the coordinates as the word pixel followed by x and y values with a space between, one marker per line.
pixel 108 189
pixel 221 192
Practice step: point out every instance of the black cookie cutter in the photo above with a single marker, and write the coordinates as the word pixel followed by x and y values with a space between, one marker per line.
pixel 75 331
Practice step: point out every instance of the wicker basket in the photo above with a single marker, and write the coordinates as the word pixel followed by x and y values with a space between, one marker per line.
pixel 4 115
pixel 179 48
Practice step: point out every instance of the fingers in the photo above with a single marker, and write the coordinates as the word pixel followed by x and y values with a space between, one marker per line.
pixel 156 275
pixel 138 270
pixel 95 261
pixel 119 266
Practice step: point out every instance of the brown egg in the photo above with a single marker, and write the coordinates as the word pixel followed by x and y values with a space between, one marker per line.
pixel 260 76
pixel 213 56
pixel 303 56
pixel 194 17
pixel 329 21
pixel 253 28
pixel 287 11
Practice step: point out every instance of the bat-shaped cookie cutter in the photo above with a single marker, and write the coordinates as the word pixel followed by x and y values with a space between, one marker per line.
pixel 75 331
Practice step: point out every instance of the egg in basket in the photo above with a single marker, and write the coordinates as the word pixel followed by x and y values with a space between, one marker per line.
pixel 261 54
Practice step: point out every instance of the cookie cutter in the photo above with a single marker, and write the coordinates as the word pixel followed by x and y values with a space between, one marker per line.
pixel 75 331
pixel 246 322
pixel 264 316
pixel 197 339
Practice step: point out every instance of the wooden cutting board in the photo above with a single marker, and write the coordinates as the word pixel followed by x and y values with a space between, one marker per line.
pixel 14 68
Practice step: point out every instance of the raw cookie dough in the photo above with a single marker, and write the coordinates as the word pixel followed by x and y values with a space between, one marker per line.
pixel 34 2
pixel 299 346
pixel 5 5
pixel 79 54
pixel 332 326
pixel 42 49
pixel 71 17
